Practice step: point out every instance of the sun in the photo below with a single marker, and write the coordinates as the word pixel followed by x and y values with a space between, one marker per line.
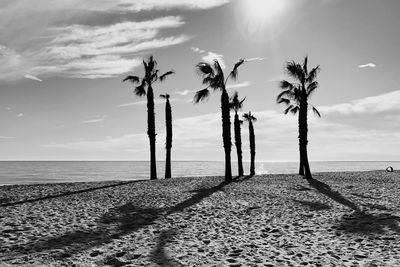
pixel 258 19
pixel 263 10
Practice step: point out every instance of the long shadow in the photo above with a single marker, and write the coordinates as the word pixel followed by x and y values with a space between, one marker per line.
pixel 362 196
pixel 336 196
pixel 112 225
pixel 66 194
pixel 369 224
pixel 158 255
pixel 201 193
pixel 313 205
pixel 244 178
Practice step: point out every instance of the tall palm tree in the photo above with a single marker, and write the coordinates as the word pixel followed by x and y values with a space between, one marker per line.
pixel 296 95
pixel 168 142
pixel 250 119
pixel 150 76
pixel 237 105
pixel 214 78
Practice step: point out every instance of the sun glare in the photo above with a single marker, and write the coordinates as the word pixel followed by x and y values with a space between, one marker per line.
pixel 256 16
pixel 264 9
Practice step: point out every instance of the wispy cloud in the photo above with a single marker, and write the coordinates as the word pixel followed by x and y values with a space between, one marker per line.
pixel 95 120
pixel 28 76
pixel 368 65
pixel 209 56
pixel 20 115
pixel 83 51
pixel 254 59
pixel 144 102
pixel 239 85
pixel 6 137
pixel 185 92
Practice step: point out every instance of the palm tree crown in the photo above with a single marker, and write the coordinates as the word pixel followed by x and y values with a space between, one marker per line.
pixel 213 77
pixel 295 92
pixel 236 104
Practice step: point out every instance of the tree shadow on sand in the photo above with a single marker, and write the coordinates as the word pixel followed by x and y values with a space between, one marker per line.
pixel 159 255
pixel 313 205
pixel 334 195
pixel 117 222
pixel 112 225
pixel 359 222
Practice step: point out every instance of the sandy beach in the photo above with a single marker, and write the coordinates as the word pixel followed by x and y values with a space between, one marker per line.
pixel 340 219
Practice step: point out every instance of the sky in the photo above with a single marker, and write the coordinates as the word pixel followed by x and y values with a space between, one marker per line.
pixel 62 64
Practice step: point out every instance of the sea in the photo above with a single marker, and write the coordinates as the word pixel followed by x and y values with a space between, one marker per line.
pixel 31 172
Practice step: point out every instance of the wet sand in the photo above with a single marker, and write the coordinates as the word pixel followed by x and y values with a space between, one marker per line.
pixel 340 219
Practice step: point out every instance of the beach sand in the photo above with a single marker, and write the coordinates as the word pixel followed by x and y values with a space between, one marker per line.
pixel 341 219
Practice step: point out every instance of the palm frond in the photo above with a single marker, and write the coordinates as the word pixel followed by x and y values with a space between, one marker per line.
pixel 152 63
pixel 311 87
pixel 283 100
pixel 286 111
pixel 154 76
pixel 288 94
pixel 285 85
pixel 249 117
pixel 201 95
pixel 218 67
pixel 313 74
pixel 204 69
pixel 295 70
pixel 139 90
pixel 305 69
pixel 294 110
pixel 234 72
pixel 132 79
pixel 235 103
pixel 166 96
pixel 163 76
pixel 316 112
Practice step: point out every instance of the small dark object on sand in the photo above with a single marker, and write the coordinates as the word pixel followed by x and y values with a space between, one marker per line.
pixel 389 169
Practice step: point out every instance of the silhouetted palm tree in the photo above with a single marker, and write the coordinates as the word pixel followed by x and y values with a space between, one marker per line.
pixel 250 118
pixel 295 95
pixel 213 77
pixel 168 142
pixel 150 76
pixel 237 105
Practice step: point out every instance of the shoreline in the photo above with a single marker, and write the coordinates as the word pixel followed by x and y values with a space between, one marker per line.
pixel 342 218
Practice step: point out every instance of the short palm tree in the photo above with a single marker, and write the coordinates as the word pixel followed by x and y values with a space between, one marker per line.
pixel 168 142
pixel 213 77
pixel 150 76
pixel 236 105
pixel 250 119
pixel 296 95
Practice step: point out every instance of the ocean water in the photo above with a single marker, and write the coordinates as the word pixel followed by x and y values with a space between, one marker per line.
pixel 24 172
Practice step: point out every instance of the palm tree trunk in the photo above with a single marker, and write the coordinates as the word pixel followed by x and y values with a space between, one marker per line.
pixel 151 132
pixel 303 130
pixel 238 143
pixel 168 144
pixel 226 133
pixel 252 148
pixel 301 167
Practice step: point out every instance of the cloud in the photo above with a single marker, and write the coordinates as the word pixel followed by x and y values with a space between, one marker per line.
pixel 28 76
pixel 144 102
pixel 78 50
pixel 185 92
pixel 96 120
pixel 211 56
pixel 6 137
pixel 197 50
pixel 368 65
pixel 8 108
pixel 239 85
pixel 20 115
pixel 254 59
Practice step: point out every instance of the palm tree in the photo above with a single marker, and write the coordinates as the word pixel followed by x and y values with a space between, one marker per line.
pixel 213 77
pixel 250 118
pixel 295 95
pixel 150 76
pixel 237 105
pixel 168 143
